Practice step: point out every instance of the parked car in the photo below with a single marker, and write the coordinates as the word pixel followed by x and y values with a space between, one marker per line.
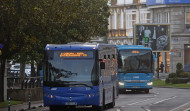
pixel 15 69
pixel 28 70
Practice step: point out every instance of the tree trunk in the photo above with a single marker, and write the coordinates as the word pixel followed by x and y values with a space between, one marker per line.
pixel 33 73
pixel 2 70
pixel 22 73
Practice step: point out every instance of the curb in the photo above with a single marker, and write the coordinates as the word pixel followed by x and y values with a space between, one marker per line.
pixel 25 109
pixel 170 87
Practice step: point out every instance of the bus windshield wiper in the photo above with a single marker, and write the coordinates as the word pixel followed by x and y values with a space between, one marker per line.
pixel 82 84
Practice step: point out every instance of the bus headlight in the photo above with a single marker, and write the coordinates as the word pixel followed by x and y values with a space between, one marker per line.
pixel 121 83
pixel 150 83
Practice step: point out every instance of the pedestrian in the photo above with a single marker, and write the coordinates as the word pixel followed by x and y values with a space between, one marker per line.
pixel 161 67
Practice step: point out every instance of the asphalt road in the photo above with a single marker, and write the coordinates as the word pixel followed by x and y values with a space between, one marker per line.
pixel 159 99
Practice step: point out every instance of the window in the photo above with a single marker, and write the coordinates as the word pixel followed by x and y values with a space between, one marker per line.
pixel 163 17
pixel 145 16
pixel 187 21
pixel 188 18
pixel 130 21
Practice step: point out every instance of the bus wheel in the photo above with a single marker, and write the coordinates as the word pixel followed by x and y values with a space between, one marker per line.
pixel 146 90
pixel 101 108
pixel 52 108
pixel 112 104
pixel 122 91
pixel 97 108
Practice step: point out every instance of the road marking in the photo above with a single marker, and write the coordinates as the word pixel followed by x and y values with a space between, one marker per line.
pixel 140 101
pixel 147 109
pixel 187 109
pixel 184 107
pixel 118 110
pixel 164 100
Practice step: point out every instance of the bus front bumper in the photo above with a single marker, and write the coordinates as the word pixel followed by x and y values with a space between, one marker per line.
pixel 125 85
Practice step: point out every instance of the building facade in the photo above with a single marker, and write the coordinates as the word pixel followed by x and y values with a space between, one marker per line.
pixel 177 14
pixel 124 15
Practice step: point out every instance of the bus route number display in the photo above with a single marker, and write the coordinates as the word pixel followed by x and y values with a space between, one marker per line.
pixel 76 54
pixel 135 51
pixel 73 54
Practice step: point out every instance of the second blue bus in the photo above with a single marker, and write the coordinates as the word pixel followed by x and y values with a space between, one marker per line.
pixel 135 68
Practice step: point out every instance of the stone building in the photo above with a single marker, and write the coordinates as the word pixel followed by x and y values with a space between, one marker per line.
pixel 125 14
pixel 177 14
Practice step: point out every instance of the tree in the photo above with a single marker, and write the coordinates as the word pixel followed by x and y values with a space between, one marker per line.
pixel 26 26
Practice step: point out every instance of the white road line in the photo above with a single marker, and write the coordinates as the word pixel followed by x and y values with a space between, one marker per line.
pixel 140 101
pixel 182 107
pixel 147 109
pixel 118 110
pixel 187 109
pixel 164 100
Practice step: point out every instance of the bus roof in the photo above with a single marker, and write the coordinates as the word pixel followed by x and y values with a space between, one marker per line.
pixel 75 46
pixel 121 47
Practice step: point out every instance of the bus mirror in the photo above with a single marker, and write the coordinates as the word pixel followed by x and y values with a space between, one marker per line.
pixel 113 56
pixel 109 57
pixel 102 65
pixel 104 56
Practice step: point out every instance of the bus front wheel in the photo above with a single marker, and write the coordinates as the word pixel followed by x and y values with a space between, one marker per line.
pixel 112 104
pixel 52 108
pixel 146 90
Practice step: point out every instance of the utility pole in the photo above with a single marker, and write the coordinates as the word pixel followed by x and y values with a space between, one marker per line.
pixel 158 55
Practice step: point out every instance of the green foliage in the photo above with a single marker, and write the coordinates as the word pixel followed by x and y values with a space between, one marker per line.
pixel 179 66
pixel 175 80
pixel 26 26
pixel 184 75
pixel 167 81
pixel 172 75
pixel 162 83
pixel 179 69
pixel 5 104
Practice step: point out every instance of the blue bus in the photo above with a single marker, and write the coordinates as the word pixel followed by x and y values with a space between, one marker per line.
pixel 135 68
pixel 80 74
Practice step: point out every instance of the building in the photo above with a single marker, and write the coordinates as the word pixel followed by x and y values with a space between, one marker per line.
pixel 125 14
pixel 177 14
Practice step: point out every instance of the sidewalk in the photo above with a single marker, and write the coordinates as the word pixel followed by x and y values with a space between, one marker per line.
pixel 24 106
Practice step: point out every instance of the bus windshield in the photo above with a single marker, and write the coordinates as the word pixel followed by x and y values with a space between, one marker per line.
pixel 134 61
pixel 66 68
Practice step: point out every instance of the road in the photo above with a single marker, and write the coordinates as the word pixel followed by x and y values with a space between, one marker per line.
pixel 159 99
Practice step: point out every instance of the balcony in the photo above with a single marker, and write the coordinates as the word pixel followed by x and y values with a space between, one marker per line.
pixel 117 33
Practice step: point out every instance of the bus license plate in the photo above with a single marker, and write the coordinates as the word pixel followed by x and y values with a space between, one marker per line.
pixel 70 103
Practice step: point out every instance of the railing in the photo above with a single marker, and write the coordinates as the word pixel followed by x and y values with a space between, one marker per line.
pixel 32 82
pixel 14 81
pixel 28 82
